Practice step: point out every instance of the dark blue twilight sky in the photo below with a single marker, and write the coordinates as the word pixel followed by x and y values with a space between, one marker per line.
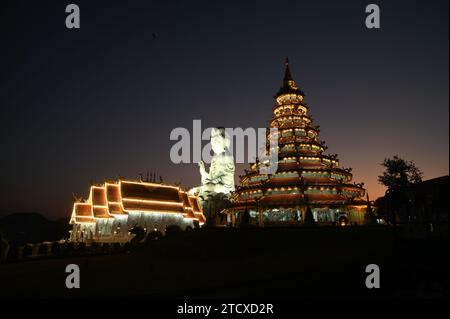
pixel 82 106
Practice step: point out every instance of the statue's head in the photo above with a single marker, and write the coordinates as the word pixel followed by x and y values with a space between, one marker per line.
pixel 220 140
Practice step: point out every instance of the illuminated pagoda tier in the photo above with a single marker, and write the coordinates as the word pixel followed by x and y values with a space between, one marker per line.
pixel 307 179
pixel 113 209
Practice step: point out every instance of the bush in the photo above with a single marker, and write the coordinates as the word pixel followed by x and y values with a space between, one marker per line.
pixel 43 249
pixel 13 252
pixel 55 249
pixel 106 248
pixel 154 235
pixel 173 229
pixel 127 246
pixel 117 247
pixel 94 248
pixel 196 224
pixel 68 248
pixel 27 251
pixel 81 248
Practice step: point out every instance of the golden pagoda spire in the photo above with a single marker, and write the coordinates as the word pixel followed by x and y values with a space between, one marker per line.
pixel 287 72
pixel 289 85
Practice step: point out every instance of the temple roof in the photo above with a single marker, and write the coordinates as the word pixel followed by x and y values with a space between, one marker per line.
pixel 188 209
pixel 98 196
pixel 122 197
pixel 197 208
pixel 153 191
pixel 152 206
pixel 185 199
pixel 194 204
pixel 99 202
pixel 113 193
pixel 114 199
pixel 116 209
pixel 101 212
pixel 82 213
pixel 152 197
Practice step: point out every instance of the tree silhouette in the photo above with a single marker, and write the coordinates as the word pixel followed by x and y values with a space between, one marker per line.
pixel 309 217
pixel 369 216
pixel 399 173
pixel 139 234
pixel 398 176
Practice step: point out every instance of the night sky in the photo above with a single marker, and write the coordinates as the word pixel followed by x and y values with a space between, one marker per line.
pixel 82 106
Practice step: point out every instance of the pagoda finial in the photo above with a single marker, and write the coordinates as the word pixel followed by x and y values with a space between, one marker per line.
pixel 287 73
pixel 289 85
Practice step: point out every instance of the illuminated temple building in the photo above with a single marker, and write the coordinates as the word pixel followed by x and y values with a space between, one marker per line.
pixel 307 181
pixel 113 209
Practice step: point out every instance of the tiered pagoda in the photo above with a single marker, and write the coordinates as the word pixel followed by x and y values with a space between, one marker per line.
pixel 308 182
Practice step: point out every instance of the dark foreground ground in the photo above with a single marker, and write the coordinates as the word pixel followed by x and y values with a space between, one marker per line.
pixel 257 263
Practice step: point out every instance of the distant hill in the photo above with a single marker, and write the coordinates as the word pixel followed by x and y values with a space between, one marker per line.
pixel 22 228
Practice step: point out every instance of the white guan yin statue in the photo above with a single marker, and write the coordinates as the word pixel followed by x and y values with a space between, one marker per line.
pixel 220 178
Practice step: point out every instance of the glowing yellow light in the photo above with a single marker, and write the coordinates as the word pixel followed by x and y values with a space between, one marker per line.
pixel 151 184
pixel 151 201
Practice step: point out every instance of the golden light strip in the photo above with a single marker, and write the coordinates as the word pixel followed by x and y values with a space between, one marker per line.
pixel 151 201
pixel 154 211
pixel 151 184
pixel 82 222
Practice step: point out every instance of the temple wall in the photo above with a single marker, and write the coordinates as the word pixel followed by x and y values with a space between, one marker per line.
pixel 356 215
pixel 120 226
pixel 158 221
pixel 82 232
pixel 117 229
pixel 288 216
pixel 103 227
pixel 325 215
